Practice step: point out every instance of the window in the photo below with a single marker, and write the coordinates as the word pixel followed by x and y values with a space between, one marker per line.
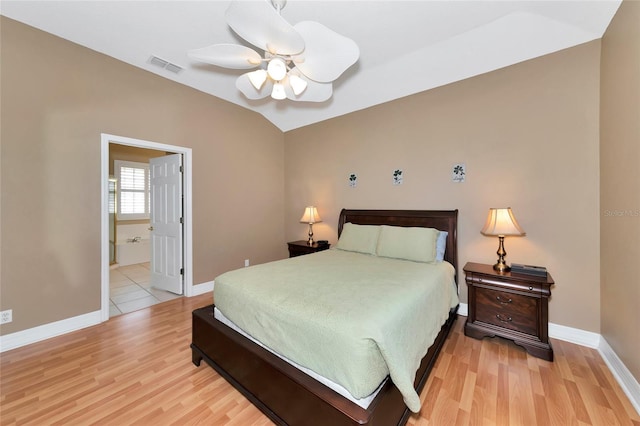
pixel 133 190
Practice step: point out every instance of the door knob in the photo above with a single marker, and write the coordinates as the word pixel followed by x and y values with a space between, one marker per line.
pixel 150 228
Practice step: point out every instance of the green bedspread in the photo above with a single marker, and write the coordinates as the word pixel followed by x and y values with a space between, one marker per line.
pixel 350 317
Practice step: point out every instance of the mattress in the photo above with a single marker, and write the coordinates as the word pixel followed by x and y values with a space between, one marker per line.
pixel 349 317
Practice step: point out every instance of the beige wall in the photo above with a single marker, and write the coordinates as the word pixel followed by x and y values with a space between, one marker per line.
pixel 57 98
pixel 620 185
pixel 528 135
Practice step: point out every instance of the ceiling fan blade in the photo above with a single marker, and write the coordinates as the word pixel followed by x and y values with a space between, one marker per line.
pixel 261 25
pixel 227 55
pixel 327 54
pixel 314 92
pixel 244 85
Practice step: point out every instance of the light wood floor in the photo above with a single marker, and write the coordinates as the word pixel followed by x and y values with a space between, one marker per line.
pixel 136 369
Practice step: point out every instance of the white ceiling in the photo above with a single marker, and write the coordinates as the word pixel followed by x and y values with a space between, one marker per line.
pixel 405 46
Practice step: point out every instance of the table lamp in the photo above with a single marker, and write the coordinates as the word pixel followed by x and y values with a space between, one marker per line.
pixel 501 223
pixel 310 216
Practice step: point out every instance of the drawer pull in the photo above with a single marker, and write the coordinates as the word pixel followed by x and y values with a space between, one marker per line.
pixel 502 301
pixel 504 320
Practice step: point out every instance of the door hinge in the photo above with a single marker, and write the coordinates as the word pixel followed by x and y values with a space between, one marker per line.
pixel 181 271
pixel 181 221
pixel 181 169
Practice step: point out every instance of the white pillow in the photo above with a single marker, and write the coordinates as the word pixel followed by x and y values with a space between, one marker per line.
pixel 408 243
pixel 359 238
pixel 441 245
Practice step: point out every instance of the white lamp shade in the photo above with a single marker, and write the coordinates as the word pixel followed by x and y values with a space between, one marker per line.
pixel 258 78
pixel 501 222
pixel 310 215
pixel 297 84
pixel 278 91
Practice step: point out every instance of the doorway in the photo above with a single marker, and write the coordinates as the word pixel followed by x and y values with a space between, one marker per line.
pixel 145 228
pixel 135 274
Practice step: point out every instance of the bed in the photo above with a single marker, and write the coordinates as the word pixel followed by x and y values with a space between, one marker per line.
pixel 289 396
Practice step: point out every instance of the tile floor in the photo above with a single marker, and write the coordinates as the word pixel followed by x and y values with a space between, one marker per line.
pixel 130 290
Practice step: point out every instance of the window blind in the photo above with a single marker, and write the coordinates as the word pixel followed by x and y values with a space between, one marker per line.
pixel 133 194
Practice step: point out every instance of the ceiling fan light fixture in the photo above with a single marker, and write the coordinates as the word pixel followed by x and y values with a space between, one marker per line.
pixel 258 78
pixel 297 84
pixel 299 62
pixel 278 92
pixel 277 69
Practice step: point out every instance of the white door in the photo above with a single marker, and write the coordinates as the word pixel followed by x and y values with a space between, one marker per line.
pixel 165 177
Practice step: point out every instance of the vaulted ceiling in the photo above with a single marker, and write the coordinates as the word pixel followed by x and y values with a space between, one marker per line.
pixel 406 47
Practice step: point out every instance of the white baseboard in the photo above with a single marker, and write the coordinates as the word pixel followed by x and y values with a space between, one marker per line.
pixel 47 331
pixel 202 288
pixel 463 309
pixel 574 335
pixel 627 382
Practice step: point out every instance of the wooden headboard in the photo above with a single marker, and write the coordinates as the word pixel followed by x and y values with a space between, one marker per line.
pixel 443 220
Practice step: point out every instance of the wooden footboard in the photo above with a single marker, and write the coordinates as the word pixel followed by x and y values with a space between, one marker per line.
pixel 287 395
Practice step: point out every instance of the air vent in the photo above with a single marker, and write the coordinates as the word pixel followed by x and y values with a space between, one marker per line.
pixel 159 62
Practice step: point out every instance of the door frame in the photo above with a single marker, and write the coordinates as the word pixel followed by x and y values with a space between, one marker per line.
pixel 187 243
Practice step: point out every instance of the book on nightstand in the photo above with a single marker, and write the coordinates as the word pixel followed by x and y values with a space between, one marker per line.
pixel 536 271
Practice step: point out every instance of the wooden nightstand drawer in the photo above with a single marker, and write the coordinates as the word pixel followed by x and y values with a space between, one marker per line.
pixel 507 310
pixel 518 285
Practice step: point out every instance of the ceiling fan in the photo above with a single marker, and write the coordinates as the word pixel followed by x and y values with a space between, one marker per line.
pixel 298 62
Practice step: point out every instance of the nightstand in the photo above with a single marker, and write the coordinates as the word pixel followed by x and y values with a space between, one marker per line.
pixel 512 306
pixel 299 248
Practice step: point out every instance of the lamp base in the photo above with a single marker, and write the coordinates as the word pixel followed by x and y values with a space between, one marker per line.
pixel 501 267
pixel 310 240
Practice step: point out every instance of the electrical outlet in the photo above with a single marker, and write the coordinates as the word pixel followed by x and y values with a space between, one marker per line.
pixel 246 263
pixel 6 316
